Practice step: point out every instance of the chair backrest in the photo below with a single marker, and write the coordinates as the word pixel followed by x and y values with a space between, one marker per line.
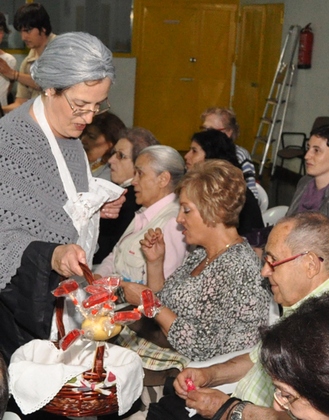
pixel 272 215
pixel 262 198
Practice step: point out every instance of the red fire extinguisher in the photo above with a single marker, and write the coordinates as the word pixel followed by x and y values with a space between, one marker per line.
pixel 305 47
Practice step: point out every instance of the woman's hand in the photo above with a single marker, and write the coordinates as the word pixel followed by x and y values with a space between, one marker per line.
pixel 153 245
pixel 65 260
pixel 132 292
pixel 6 70
pixel 112 210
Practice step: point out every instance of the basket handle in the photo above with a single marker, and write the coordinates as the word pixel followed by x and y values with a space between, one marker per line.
pixel 59 306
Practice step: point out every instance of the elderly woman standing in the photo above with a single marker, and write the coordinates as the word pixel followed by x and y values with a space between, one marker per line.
pixel 131 141
pixel 215 302
pixel 50 203
pixel 158 169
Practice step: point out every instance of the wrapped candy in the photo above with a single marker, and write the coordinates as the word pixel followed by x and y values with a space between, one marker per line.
pixel 100 321
pixel 150 304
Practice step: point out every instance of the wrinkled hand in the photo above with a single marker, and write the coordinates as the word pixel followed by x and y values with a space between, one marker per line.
pixel 200 378
pixel 112 210
pixel 153 245
pixel 132 292
pixel 6 70
pixel 65 260
pixel 206 401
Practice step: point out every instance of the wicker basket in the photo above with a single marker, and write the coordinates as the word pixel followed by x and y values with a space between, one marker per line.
pixel 80 402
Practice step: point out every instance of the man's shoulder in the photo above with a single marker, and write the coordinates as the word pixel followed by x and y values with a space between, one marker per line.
pixel 243 152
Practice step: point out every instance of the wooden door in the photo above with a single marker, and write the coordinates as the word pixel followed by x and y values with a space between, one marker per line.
pixel 185 55
pixel 259 48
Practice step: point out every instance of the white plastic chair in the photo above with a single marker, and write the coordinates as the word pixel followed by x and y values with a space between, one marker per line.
pixel 262 198
pixel 10 416
pixel 272 215
pixel 274 314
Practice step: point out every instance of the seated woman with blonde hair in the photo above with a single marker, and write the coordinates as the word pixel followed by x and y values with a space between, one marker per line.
pixel 215 301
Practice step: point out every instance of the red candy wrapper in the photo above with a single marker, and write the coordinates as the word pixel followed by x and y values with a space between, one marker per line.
pixel 69 339
pixel 190 384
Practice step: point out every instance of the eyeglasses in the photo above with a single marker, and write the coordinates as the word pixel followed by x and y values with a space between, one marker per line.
pixel 99 109
pixel 276 263
pixel 119 155
pixel 285 401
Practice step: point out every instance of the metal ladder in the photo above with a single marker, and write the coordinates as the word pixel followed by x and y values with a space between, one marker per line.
pixel 275 110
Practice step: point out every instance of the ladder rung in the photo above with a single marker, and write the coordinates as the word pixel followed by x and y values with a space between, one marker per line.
pixel 272 101
pixel 263 139
pixel 258 159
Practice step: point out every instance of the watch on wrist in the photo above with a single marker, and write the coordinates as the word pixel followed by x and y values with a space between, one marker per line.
pixel 236 413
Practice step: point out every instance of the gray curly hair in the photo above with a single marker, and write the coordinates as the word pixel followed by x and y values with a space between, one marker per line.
pixel 72 58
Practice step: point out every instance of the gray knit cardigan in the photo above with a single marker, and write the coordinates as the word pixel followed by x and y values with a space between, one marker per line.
pixel 31 190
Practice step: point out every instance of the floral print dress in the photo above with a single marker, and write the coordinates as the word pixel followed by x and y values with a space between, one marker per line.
pixel 219 310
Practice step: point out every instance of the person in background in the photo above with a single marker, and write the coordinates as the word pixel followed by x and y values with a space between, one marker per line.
pixel 46 186
pixel 312 192
pixel 215 301
pixel 123 157
pixel 214 144
pixel 295 353
pixel 297 267
pixel 224 120
pixel 6 60
pixel 4 388
pixel 33 22
pixel 98 139
pixel 158 169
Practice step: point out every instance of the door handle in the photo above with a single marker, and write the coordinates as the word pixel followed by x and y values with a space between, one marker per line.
pixel 186 79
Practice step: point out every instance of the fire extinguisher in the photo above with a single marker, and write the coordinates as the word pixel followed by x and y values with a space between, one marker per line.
pixel 305 47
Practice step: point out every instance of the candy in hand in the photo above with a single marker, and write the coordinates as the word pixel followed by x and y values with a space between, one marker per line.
pixel 190 384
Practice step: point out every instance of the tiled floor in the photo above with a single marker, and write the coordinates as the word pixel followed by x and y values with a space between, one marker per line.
pixel 281 188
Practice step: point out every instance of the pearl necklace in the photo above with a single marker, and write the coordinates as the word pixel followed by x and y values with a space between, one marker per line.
pixel 221 251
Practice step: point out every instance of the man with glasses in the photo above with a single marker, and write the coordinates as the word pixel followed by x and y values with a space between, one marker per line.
pixel 33 23
pixel 297 267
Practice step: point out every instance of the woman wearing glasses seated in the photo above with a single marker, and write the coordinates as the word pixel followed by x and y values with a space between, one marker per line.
pixel 157 171
pixel 49 209
pixel 123 156
pixel 98 139
pixel 295 353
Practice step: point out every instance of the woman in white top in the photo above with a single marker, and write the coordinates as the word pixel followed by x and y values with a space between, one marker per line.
pixel 5 61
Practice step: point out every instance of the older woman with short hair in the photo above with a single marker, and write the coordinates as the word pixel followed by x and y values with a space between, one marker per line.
pixel 131 141
pixel 158 169
pixel 214 302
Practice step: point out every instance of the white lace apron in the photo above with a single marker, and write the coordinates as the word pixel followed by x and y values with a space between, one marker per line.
pixel 83 208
